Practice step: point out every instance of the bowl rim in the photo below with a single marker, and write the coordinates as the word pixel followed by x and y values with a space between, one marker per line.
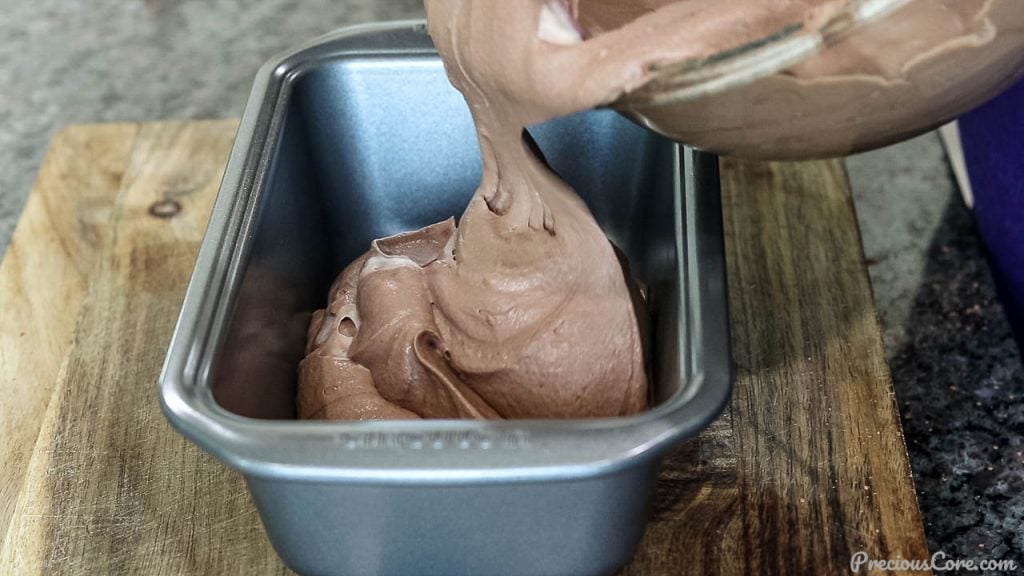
pixel 429 451
pixel 677 82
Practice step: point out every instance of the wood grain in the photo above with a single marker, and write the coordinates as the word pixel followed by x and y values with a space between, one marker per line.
pixel 111 489
pixel 43 280
pixel 806 467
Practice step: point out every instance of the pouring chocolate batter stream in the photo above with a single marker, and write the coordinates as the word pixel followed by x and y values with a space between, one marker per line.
pixel 524 309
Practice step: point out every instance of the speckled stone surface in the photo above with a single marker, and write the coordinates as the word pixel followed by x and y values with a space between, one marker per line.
pixel 956 371
pixel 961 390
pixel 68 61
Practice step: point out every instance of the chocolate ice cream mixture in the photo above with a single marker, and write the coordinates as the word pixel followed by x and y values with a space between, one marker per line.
pixel 522 309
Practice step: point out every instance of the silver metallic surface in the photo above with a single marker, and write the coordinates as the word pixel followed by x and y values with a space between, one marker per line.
pixel 358 135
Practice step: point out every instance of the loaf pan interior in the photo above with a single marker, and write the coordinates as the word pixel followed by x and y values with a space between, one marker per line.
pixel 364 146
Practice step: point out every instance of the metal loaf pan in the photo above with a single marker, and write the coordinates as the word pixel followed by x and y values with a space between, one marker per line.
pixel 359 135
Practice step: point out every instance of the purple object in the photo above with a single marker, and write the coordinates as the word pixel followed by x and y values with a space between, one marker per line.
pixel 993 142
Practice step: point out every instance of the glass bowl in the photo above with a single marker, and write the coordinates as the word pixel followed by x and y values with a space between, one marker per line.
pixel 873 73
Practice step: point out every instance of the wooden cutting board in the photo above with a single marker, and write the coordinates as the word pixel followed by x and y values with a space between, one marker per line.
pixel 806 467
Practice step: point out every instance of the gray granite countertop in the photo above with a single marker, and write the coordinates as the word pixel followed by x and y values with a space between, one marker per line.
pixel 957 373
pixel 955 367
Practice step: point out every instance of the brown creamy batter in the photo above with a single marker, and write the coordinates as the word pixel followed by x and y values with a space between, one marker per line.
pixel 523 309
